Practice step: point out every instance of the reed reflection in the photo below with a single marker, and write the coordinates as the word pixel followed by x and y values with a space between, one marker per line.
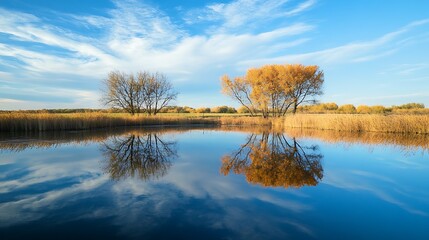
pixel 22 141
pixel 145 155
pixel 271 160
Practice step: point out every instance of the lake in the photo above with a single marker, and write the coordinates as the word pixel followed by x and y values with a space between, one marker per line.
pixel 213 183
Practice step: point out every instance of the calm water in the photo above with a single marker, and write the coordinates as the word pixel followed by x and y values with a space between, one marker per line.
pixel 213 184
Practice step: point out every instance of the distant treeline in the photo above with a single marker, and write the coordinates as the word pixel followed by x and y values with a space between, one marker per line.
pixel 417 108
pixel 65 110
pixel 167 109
pixel 314 108
pixel 186 109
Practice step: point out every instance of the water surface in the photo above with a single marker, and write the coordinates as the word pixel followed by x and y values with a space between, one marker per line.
pixel 213 184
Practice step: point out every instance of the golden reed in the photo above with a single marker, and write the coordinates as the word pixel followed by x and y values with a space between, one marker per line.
pixel 37 122
pixel 34 122
pixel 360 123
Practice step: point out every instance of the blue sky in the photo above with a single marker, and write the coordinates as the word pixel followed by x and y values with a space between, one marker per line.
pixel 54 54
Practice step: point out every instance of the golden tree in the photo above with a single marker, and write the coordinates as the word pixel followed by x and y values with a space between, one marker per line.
pixel 240 89
pixel 303 82
pixel 275 89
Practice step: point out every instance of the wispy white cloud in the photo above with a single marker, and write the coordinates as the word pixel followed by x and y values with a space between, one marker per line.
pixel 408 69
pixel 39 96
pixel 132 21
pixel 88 21
pixel 375 56
pixel 301 7
pixel 10 101
pixel 5 74
pixel 242 14
pixel 351 52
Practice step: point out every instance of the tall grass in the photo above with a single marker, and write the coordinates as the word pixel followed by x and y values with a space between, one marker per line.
pixel 37 122
pixel 360 123
pixel 15 121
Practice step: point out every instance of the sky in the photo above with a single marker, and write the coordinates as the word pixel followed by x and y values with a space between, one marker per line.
pixel 55 54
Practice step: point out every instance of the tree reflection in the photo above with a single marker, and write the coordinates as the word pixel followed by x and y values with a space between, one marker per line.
pixel 145 155
pixel 270 159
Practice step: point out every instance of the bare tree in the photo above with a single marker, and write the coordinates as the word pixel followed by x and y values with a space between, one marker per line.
pixel 157 91
pixel 121 90
pixel 145 92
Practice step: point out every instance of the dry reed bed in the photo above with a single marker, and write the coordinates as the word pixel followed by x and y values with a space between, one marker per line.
pixel 37 122
pixel 33 122
pixel 361 123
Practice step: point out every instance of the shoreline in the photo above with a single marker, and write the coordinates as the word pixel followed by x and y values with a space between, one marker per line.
pixel 375 123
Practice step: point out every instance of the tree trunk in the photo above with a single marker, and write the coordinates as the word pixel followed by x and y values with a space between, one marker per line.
pixel 295 106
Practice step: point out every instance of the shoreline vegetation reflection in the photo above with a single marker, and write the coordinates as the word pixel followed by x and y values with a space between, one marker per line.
pixel 23 141
pixel 271 159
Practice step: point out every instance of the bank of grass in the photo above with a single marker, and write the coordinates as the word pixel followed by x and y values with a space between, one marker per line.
pixel 37 122
pixel 30 122
pixel 360 123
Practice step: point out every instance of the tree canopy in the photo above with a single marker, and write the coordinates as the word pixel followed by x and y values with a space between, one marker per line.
pixel 143 92
pixel 275 89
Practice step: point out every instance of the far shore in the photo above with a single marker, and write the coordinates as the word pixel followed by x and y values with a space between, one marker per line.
pixel 40 122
